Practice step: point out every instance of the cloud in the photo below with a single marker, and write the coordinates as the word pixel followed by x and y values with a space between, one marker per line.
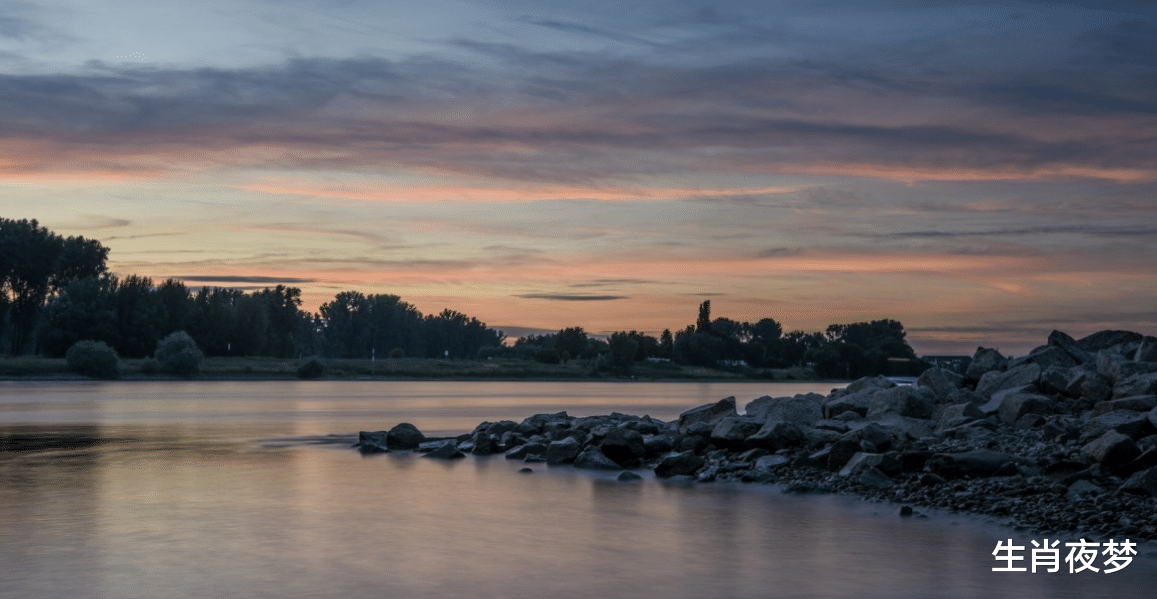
pixel 241 279
pixel 563 297
pixel 1098 230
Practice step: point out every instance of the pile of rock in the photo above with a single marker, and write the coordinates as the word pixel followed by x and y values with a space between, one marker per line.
pixel 1064 438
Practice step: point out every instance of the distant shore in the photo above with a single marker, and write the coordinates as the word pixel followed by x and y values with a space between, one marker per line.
pixel 34 368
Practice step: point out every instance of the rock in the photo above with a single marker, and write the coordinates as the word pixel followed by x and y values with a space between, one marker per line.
pixel 841 451
pixel 1112 450
pixel 770 462
pixel 625 447
pixel 372 442
pixel 732 431
pixel 801 410
pixel 872 478
pixel 905 511
pixel 1055 381
pixel 1015 405
pixel 1147 351
pixel 978 462
pixel 709 414
pixel 854 402
pixel 994 381
pixel 593 459
pixel 627 476
pixel 940 381
pixel 1070 347
pixel 983 361
pixel 1136 403
pixel 957 414
pixel 484 444
pixel 1080 488
pixel 404 436
pixel 1094 388
pixel 1134 425
pixel 526 471
pixel 1145 461
pixel 1138 384
pixel 751 455
pixel 448 451
pixel 540 423
pixel 862 461
pixel 775 435
pixel 658 445
pixel 686 463
pixel 992 406
pixel 1049 357
pixel 869 383
pixel 1106 339
pixel 907 401
pixel 1144 482
pixel 523 451
pixel 563 452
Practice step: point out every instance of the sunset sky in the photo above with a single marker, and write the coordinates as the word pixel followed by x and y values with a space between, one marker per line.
pixel 984 172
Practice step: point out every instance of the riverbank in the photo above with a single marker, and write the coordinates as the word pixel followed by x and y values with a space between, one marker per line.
pixel 1063 440
pixel 242 368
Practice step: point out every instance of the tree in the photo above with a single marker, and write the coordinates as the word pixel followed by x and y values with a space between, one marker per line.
pixel 666 344
pixel 703 323
pixel 85 309
pixel 573 341
pixel 623 347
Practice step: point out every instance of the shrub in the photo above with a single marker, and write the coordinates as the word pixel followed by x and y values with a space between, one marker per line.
pixel 548 356
pixel 397 352
pixel 178 354
pixel 93 359
pixel 150 366
pixel 312 368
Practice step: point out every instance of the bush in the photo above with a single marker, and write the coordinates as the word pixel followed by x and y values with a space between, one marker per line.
pixel 93 359
pixel 178 354
pixel 397 352
pixel 150 366
pixel 312 368
pixel 548 356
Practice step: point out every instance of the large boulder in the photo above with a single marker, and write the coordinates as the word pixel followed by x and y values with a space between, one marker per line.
pixel 908 401
pixel 563 451
pixel 983 361
pixel 1139 384
pixel 446 451
pixel 940 381
pixel 1069 346
pixel 1144 483
pixel 1147 351
pixel 852 402
pixel 593 459
pixel 1046 356
pixel 624 447
pixel 802 410
pixel 1112 450
pixel 686 463
pixel 1136 403
pixel 404 436
pixel 732 431
pixel 372 442
pixel 1015 405
pixel 993 381
pixel 774 435
pixel 1135 425
pixel 869 383
pixel 1108 339
pixel 709 414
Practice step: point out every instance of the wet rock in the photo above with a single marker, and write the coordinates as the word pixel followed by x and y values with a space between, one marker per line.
pixel 625 447
pixel 593 459
pixel 862 461
pixel 751 455
pixel 841 451
pixel 801 410
pixel 448 451
pixel 658 445
pixel 563 452
pixel 905 511
pixel 540 423
pixel 770 462
pixel 521 452
pixel 372 442
pixel 404 436
pixel 709 414
pixel 686 463
pixel 994 381
pixel 984 361
pixel 484 444
pixel 627 476
pixel 1080 488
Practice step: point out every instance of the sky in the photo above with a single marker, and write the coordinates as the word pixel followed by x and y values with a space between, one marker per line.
pixel 983 172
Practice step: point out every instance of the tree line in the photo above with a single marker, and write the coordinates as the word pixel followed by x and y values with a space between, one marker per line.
pixel 56 291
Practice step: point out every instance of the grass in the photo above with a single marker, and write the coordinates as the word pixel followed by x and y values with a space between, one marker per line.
pixel 32 367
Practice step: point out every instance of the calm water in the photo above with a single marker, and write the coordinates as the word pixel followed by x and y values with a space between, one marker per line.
pixel 228 489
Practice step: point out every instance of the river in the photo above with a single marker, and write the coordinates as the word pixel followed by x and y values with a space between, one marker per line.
pixel 249 489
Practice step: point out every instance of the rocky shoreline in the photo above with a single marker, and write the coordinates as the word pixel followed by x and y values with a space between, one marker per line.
pixel 1061 440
